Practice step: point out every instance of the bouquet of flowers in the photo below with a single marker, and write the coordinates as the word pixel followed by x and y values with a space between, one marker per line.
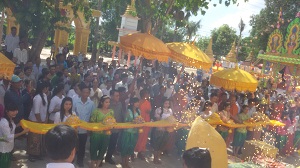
pixel 73 120
pixel 138 120
pixel 109 120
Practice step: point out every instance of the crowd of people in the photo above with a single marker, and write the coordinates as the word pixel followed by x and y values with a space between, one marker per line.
pixel 68 85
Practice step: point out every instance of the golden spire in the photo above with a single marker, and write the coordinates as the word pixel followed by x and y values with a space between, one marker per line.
pixel 250 57
pixel 130 10
pixel 209 51
pixel 231 56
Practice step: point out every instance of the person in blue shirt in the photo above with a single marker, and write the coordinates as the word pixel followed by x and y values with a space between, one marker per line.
pixel 83 107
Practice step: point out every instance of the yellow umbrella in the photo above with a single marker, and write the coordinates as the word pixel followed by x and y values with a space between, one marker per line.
pixel 146 45
pixel 234 79
pixel 189 55
pixel 6 67
pixel 216 69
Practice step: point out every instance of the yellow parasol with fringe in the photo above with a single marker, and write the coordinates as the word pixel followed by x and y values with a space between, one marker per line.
pixel 234 79
pixel 189 55
pixel 146 45
pixel 6 67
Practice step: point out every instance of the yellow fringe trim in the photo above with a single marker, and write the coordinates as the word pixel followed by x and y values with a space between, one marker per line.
pixel 41 128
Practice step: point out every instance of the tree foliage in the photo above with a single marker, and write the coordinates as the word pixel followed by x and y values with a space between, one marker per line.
pixel 223 38
pixel 38 18
pixel 202 42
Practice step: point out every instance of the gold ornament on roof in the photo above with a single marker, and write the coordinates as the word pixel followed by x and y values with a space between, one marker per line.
pixel 231 56
pixel 209 51
pixel 130 10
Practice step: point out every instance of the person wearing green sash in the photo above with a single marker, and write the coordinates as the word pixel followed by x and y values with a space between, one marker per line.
pixel 100 140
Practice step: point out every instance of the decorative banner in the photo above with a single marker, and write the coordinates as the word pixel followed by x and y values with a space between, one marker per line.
pixel 41 128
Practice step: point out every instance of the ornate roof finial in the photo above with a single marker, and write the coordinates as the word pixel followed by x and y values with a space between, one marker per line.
pixel 231 56
pixel 130 10
pixel 209 51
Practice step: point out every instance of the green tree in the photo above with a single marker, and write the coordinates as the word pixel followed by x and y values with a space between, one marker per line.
pixel 202 42
pixel 264 23
pixel 192 28
pixel 223 38
pixel 158 12
pixel 38 19
pixel 96 31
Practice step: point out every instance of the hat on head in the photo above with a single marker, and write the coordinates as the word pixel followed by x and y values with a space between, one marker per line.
pixel 15 79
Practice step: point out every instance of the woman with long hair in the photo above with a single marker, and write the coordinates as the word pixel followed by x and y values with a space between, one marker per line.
pixel 100 140
pixel 35 147
pixel 55 102
pixel 225 117
pixel 65 111
pixel 240 134
pixel 161 135
pixel 206 112
pixel 7 134
pixel 129 136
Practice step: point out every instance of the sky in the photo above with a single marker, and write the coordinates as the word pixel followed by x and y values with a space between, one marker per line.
pixel 231 15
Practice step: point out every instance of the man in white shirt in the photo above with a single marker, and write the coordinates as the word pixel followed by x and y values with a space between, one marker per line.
pixel 4 86
pixel 169 89
pixel 20 54
pixel 123 82
pixel 108 87
pixel 37 68
pixel 11 42
pixel 252 108
pixel 61 142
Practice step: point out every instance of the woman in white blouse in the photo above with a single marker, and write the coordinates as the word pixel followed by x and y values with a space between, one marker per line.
pixel 55 102
pixel 7 134
pixel 96 93
pixel 40 103
pixel 35 148
pixel 65 111
pixel 74 92
pixel 206 113
pixel 161 135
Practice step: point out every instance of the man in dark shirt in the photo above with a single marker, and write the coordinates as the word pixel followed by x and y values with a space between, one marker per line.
pixel 116 106
pixel 14 95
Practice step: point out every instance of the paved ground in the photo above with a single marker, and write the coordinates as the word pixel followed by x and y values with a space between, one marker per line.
pixel 171 161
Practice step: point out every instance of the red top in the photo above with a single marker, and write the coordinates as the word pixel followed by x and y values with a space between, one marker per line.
pixel 145 108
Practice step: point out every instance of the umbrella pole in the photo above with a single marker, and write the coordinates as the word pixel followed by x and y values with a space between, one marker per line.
pixel 128 59
pixel 113 53
pixel 119 56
